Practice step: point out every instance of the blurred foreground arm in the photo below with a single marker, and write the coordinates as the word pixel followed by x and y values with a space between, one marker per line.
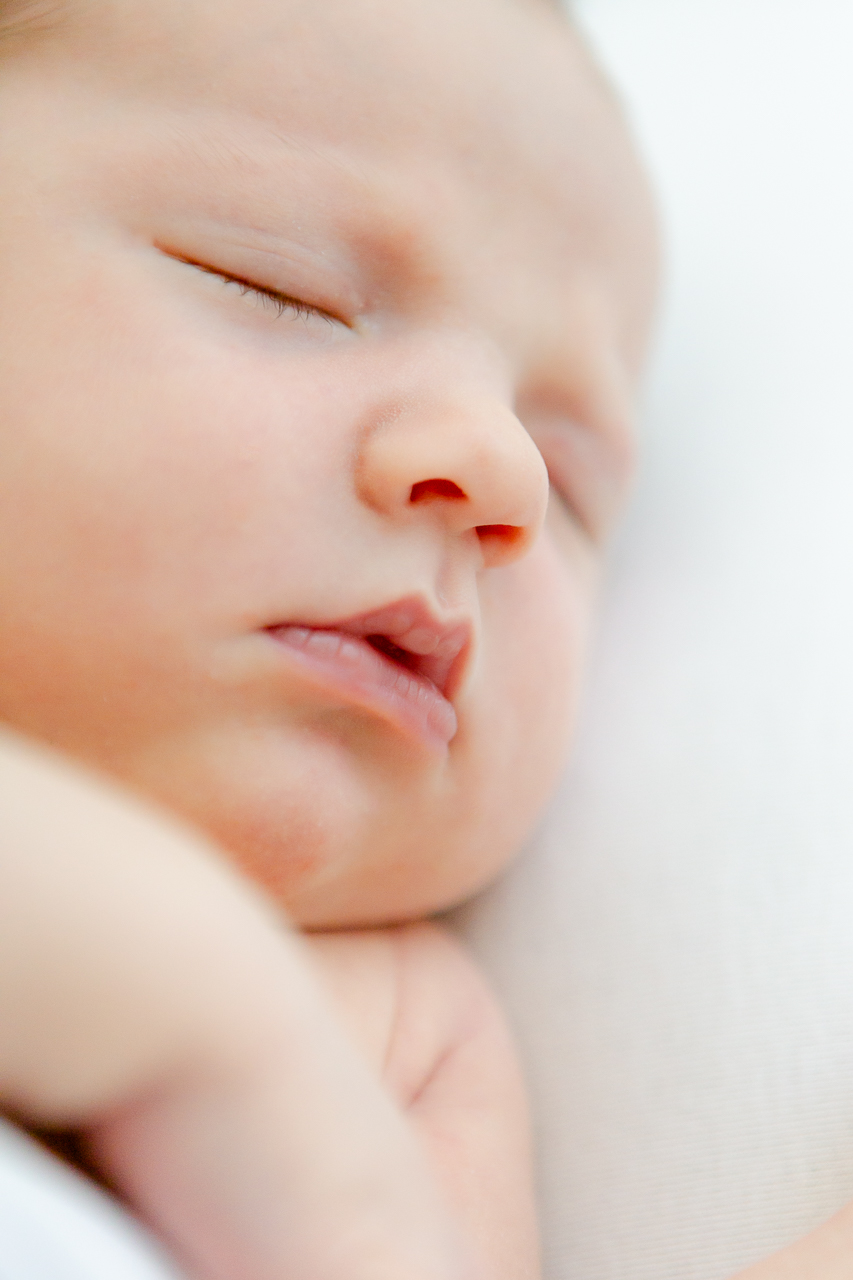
pixel 151 1000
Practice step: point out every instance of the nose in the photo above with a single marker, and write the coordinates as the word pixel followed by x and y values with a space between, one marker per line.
pixel 470 466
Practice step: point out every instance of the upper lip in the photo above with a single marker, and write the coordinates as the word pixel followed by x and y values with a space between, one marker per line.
pixel 411 634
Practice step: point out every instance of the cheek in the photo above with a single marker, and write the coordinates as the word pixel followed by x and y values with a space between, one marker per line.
pixel 144 499
pixel 538 632
pixel 154 453
pixel 536 622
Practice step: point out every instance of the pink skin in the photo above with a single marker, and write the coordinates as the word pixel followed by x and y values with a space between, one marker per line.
pixel 285 350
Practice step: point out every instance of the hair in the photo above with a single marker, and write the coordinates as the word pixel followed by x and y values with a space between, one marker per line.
pixel 20 18
pixel 24 17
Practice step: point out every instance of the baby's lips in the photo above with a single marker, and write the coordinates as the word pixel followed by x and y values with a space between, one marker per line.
pixel 443 664
pixel 438 648
pixel 367 675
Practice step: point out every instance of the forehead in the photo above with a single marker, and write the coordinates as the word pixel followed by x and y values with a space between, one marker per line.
pixel 464 142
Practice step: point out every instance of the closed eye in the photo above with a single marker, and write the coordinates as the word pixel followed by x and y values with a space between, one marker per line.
pixel 281 304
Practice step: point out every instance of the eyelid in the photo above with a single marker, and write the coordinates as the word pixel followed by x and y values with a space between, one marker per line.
pixel 284 300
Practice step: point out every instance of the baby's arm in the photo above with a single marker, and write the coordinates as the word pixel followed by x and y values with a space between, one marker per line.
pixel 427 1021
pixel 824 1254
pixel 152 1001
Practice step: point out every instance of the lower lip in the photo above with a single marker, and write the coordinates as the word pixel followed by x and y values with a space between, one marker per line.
pixel 350 668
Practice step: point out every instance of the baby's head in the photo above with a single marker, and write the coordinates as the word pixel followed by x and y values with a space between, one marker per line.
pixel 302 304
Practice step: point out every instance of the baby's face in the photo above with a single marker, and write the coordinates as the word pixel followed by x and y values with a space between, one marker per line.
pixel 301 306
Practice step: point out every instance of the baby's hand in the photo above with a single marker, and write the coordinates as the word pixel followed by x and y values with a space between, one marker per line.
pixel 150 1000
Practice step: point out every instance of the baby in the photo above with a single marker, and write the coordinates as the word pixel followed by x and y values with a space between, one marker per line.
pixel 303 305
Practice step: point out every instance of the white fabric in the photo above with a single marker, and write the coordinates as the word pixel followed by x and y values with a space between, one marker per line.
pixel 677 947
pixel 56 1226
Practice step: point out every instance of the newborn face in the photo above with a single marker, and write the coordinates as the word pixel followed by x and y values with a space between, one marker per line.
pixel 302 305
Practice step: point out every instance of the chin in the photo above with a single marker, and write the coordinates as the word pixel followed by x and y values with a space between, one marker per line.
pixel 337 858
pixel 347 832
pixel 423 859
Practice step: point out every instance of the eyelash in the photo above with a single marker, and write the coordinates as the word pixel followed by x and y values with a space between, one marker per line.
pixel 282 303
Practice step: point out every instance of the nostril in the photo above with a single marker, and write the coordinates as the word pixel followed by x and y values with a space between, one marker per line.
pixel 429 490
pixel 510 531
pixel 502 537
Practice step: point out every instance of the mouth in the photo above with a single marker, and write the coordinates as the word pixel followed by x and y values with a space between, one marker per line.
pixel 400 663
